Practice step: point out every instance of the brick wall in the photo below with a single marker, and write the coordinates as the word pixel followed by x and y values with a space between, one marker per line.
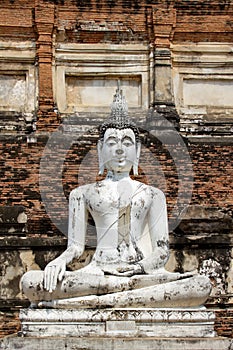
pixel 10 323
pixel 20 169
pixel 224 325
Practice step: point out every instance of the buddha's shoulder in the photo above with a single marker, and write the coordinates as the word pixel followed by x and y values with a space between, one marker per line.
pixel 154 191
pixel 81 190
pixel 87 189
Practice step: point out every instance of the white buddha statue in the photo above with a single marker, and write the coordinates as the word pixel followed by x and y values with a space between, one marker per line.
pixel 128 266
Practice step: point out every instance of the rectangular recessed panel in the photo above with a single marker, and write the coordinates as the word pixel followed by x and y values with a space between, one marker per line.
pixel 98 91
pixel 203 92
pixel 12 92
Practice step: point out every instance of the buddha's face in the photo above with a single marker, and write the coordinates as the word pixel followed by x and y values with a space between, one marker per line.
pixel 119 150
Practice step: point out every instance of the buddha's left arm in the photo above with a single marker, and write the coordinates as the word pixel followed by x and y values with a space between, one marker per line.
pixel 158 228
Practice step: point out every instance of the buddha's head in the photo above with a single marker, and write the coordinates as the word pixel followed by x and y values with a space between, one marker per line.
pixel 119 145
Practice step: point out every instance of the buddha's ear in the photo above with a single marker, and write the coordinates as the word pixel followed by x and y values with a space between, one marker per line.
pixel 135 166
pixel 100 157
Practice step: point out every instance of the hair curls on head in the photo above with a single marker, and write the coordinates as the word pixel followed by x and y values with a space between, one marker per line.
pixel 112 125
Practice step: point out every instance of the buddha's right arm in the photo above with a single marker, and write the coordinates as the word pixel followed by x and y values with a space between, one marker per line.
pixel 77 227
pixel 55 270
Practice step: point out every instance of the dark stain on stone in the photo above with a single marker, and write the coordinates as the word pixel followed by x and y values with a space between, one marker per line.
pixel 38 287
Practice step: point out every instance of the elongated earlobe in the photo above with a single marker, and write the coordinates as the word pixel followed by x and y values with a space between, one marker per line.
pixel 135 166
pixel 101 163
pixel 101 170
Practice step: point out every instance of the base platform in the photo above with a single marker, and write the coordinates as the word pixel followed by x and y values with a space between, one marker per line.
pixel 156 323
pixel 116 329
pixel 93 343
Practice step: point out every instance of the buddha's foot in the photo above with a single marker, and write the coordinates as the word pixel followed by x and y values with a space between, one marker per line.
pixel 48 304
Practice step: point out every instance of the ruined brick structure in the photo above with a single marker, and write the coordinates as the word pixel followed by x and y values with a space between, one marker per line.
pixel 174 60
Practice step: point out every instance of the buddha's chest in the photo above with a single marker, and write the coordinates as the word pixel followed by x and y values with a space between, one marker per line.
pixel 105 199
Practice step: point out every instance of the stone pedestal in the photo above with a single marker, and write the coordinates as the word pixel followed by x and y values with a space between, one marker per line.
pixel 116 329
pixel 146 322
pixel 114 343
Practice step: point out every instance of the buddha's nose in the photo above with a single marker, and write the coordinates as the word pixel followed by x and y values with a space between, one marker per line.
pixel 119 151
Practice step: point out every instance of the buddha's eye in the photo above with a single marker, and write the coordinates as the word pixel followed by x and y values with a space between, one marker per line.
pixel 127 143
pixel 111 143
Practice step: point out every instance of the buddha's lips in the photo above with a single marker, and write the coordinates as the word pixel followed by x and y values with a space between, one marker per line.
pixel 119 159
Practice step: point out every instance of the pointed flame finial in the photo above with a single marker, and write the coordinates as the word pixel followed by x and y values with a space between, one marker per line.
pixel 119 117
pixel 119 108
